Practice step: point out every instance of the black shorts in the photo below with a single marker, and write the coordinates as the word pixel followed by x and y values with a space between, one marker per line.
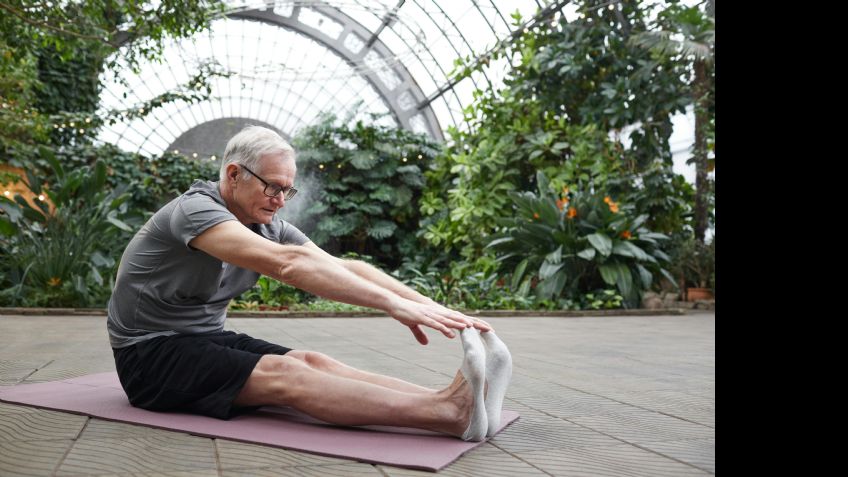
pixel 195 373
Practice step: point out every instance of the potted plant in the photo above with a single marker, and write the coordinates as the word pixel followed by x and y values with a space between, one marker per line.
pixel 695 268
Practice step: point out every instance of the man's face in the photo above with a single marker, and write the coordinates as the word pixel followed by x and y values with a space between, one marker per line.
pixel 252 203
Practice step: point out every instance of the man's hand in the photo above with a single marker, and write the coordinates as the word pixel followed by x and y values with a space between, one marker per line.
pixel 433 315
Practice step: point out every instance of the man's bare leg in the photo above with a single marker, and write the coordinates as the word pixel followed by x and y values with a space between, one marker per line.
pixel 288 381
pixel 329 365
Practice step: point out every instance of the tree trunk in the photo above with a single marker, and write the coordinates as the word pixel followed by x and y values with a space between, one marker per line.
pixel 702 185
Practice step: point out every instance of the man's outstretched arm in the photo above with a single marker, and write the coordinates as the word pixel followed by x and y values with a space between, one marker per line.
pixel 313 271
pixel 378 277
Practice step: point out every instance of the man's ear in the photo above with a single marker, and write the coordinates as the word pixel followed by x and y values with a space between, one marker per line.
pixel 232 172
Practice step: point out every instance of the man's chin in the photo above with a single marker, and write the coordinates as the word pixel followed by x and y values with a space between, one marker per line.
pixel 267 216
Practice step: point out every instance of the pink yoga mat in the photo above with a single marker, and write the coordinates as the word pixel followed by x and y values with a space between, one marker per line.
pixel 100 395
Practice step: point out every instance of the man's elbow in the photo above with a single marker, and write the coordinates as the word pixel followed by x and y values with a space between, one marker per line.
pixel 294 264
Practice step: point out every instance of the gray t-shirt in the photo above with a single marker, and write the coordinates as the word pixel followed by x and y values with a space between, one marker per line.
pixel 165 287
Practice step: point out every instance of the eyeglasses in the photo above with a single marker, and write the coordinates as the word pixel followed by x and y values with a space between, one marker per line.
pixel 273 190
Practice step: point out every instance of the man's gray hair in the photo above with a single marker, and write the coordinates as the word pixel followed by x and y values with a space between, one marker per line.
pixel 250 144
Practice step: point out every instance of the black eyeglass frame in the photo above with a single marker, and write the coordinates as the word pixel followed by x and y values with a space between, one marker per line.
pixel 289 192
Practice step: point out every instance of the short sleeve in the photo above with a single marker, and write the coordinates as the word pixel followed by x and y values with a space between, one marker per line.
pixel 195 214
pixel 289 234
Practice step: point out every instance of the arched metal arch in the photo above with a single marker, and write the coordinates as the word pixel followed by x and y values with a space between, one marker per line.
pixel 405 99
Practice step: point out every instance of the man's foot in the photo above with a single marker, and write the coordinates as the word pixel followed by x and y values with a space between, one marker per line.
pixel 474 371
pixel 498 374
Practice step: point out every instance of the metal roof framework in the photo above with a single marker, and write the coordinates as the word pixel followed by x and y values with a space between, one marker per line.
pixel 287 61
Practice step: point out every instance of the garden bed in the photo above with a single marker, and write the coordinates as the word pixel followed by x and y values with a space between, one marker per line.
pixel 678 310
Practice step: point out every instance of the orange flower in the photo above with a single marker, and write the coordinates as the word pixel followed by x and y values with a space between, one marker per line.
pixel 607 199
pixel 561 203
pixel 625 235
pixel 572 212
pixel 614 207
pixel 54 281
pixel 535 215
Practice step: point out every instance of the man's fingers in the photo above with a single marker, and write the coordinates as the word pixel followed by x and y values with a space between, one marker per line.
pixel 419 334
pixel 466 320
pixel 435 324
pixel 454 323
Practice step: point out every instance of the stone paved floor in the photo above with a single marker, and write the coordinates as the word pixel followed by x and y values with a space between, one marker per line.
pixel 608 396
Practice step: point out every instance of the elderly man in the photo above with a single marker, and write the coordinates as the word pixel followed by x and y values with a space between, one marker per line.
pixel 207 246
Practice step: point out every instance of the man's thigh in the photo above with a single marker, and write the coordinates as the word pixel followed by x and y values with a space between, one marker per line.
pixel 200 374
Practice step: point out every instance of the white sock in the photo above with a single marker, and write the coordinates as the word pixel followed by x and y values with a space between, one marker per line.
pixel 474 370
pixel 498 374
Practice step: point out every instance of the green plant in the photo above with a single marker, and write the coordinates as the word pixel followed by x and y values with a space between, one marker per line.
pixel 601 300
pixel 63 256
pixel 572 84
pixel 362 183
pixel 322 304
pixel 579 242
pixel 270 293
pixel 683 38
pixel 694 263
pixel 464 285
pixel 660 193
pixel 151 181
pixel 49 50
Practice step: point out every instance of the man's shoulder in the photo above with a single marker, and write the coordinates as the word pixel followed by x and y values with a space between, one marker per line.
pixel 202 189
pixel 202 195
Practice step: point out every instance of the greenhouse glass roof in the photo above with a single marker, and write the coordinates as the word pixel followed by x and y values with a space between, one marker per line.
pixel 283 63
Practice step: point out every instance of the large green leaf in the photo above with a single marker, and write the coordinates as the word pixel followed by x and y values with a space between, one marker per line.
pixel 316 207
pixel 547 269
pixel 500 242
pixel 601 242
pixel 645 276
pixel 639 221
pixel 627 249
pixel 542 183
pixel 549 213
pixel 383 193
pixel 382 229
pixel 624 280
pixel 661 255
pixel 112 218
pixel 98 259
pixel 518 273
pixel 524 289
pixel 402 196
pixel 587 254
pixel 670 278
pixel 555 256
pixel 609 273
pixel 653 235
pixel 98 279
pixel 414 180
pixel 552 286
pixel 371 208
pixel 410 169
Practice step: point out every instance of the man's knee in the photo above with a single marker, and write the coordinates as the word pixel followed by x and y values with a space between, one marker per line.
pixel 282 375
pixel 278 365
pixel 315 359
